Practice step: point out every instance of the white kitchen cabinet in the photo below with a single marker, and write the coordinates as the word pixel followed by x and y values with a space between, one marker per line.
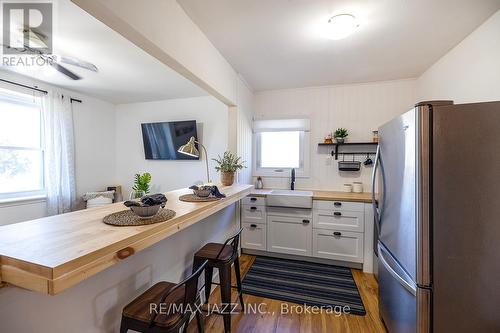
pixel 338 245
pixel 336 230
pixel 253 214
pixel 338 205
pixel 290 235
pixel 253 236
pixel 338 220
pixel 254 201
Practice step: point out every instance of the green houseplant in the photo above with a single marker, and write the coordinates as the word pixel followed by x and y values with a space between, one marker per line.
pixel 141 183
pixel 340 135
pixel 227 165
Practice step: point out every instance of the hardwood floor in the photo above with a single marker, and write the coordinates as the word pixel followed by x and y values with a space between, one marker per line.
pixel 273 321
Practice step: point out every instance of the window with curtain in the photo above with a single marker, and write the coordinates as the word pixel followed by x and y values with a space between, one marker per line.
pixel 21 146
pixel 281 145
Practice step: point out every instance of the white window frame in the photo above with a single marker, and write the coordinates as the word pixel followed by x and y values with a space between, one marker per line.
pixel 304 151
pixel 22 99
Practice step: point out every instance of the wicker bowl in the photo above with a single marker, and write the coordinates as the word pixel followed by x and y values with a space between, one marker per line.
pixel 202 192
pixel 145 212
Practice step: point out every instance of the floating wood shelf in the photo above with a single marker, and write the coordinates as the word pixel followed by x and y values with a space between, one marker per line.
pixel 336 153
pixel 349 144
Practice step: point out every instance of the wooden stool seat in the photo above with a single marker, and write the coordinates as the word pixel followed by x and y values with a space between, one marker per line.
pixel 139 308
pixel 165 307
pixel 211 250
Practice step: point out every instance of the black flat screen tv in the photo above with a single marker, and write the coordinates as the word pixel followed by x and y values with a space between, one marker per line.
pixel 162 140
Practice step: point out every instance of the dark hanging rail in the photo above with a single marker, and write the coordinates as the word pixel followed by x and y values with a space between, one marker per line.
pixel 336 152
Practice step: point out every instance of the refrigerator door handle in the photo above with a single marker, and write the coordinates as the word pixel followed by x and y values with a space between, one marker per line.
pixel 408 285
pixel 377 212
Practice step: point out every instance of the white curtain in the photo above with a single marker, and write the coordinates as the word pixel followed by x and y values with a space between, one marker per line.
pixel 59 153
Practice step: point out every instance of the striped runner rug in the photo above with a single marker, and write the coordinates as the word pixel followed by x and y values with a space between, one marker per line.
pixel 301 282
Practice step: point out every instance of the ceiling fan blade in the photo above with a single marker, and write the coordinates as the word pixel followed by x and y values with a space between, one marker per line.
pixel 79 63
pixel 65 71
pixel 37 37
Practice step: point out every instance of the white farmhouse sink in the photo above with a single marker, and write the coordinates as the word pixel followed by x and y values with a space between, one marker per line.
pixel 289 198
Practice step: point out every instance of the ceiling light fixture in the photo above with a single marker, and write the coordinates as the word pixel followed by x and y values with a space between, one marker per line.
pixel 340 26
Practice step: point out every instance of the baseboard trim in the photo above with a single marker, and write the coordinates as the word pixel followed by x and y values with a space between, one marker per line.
pixel 303 258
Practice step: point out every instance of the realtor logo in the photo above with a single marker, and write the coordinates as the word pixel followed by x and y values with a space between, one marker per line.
pixel 27 28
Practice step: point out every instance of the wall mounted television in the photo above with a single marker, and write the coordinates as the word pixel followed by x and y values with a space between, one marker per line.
pixel 162 140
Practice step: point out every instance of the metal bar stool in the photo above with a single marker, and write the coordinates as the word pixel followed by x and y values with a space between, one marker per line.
pixel 222 256
pixel 174 305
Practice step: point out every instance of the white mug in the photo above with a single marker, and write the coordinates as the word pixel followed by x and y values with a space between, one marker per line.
pixel 357 187
pixel 347 188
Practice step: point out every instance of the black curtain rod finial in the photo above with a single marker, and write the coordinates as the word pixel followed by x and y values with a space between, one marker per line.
pixel 37 89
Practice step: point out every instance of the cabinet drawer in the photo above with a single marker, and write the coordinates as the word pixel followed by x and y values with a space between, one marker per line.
pixel 253 214
pixel 339 220
pixel 253 236
pixel 338 245
pixel 254 201
pixel 339 205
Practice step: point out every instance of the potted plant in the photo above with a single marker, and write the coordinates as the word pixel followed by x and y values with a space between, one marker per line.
pixel 340 135
pixel 141 185
pixel 227 165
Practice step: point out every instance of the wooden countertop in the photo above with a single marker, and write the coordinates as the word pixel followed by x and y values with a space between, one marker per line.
pixel 51 254
pixel 326 195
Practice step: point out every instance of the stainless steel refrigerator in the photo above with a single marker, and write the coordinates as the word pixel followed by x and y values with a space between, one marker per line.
pixel 437 216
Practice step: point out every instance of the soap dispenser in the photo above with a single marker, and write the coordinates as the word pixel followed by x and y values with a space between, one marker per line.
pixel 259 184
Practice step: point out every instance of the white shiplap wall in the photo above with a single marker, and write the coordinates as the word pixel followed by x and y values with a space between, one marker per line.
pixel 244 130
pixel 358 107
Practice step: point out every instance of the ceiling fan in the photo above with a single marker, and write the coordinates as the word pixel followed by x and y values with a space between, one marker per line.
pixel 55 61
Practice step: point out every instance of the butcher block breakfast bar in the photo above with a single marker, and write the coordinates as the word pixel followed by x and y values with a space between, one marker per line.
pixel 52 254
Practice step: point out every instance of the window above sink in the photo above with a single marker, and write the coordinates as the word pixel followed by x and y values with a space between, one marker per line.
pixel 281 145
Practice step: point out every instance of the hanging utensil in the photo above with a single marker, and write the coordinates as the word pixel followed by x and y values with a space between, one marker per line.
pixel 368 160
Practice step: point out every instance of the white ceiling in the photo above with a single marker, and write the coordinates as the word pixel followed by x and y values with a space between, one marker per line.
pixel 126 73
pixel 274 43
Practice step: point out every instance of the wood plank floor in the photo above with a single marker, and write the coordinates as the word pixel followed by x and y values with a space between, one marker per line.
pixel 273 321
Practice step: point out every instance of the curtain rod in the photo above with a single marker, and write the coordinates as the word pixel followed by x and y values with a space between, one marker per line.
pixel 37 89
pixel 25 86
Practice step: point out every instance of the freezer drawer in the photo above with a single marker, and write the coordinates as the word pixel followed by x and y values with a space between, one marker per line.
pixel 338 245
pixel 397 295
pixel 253 236
pixel 339 220
pixel 253 214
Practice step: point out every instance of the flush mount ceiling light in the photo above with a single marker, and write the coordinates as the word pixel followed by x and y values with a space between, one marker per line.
pixel 340 26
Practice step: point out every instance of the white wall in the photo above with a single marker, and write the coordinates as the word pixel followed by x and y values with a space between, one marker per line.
pixel 470 72
pixel 94 127
pixel 212 118
pixel 244 119
pixel 358 107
